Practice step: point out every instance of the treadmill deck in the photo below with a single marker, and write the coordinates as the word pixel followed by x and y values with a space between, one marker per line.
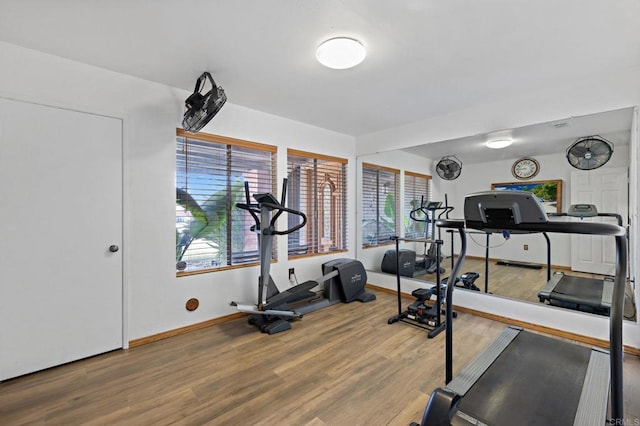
pixel 535 380
pixel 579 293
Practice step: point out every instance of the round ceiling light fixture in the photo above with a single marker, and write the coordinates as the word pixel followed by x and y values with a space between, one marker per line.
pixel 499 143
pixel 341 53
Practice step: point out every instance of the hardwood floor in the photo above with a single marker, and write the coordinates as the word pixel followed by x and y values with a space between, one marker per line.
pixel 343 365
pixel 510 281
pixel 520 283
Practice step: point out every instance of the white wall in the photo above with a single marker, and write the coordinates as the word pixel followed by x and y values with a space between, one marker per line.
pixel 614 90
pixel 155 300
pixel 151 112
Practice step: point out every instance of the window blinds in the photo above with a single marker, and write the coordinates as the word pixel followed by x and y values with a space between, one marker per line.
pixel 380 204
pixel 318 188
pixel 211 232
pixel 417 189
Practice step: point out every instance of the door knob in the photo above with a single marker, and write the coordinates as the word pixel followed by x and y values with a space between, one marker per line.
pixel 113 248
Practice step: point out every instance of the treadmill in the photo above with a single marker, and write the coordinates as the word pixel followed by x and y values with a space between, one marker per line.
pixel 524 377
pixel 580 293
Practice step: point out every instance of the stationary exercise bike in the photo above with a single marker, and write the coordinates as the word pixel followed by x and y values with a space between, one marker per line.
pixel 343 279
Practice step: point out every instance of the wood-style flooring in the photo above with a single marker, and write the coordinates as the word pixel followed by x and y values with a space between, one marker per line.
pixel 522 283
pixel 343 365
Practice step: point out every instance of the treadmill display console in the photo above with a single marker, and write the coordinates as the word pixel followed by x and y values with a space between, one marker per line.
pixel 582 210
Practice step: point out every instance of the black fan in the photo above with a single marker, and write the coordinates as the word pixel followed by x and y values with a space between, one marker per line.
pixel 201 108
pixel 449 167
pixel 589 152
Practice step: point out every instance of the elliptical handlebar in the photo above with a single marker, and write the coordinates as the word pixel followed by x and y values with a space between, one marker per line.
pixel 445 211
pixel 282 201
pixel 426 211
pixel 252 208
pixel 271 204
pixel 282 209
pixel 419 209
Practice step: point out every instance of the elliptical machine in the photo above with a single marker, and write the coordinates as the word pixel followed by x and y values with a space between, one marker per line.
pixel 412 264
pixel 344 279
pixel 430 258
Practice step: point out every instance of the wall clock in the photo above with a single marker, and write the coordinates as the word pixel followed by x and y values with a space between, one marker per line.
pixel 525 168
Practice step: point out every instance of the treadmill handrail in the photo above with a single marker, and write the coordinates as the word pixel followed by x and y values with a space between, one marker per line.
pixel 586 228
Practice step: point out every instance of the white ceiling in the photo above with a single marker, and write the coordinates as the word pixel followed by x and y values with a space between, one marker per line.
pixel 539 139
pixel 425 57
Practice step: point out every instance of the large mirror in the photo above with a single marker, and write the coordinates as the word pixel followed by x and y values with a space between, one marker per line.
pixel 539 159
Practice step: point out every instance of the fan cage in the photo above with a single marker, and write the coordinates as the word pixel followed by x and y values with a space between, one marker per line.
pixel 589 153
pixel 200 109
pixel 446 171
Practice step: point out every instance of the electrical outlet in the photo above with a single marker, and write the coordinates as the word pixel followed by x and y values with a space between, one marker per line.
pixel 292 273
pixel 526 246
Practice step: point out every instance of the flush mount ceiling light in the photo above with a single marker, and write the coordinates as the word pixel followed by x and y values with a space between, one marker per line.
pixel 499 143
pixel 340 53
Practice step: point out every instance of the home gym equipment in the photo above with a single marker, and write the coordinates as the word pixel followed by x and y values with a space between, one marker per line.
pixel 465 280
pixel 412 265
pixel 525 376
pixel 419 313
pixel 501 262
pixel 431 258
pixel 343 279
pixel 580 293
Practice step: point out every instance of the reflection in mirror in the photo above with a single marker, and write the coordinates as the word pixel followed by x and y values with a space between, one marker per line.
pixel 517 263
pixel 379 201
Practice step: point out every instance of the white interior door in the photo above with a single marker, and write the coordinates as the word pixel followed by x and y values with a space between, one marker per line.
pixel 61 210
pixel 607 189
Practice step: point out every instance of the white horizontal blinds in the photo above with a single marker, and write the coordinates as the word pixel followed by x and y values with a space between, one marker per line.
pixel 300 176
pixel 255 167
pixel 199 183
pixel 417 189
pixel 211 232
pixel 317 187
pixel 380 190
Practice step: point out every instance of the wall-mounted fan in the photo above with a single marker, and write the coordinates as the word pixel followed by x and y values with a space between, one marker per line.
pixel 449 167
pixel 589 152
pixel 201 108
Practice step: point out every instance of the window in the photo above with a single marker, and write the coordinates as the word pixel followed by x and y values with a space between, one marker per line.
pixel 211 232
pixel 380 189
pixel 318 188
pixel 417 189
